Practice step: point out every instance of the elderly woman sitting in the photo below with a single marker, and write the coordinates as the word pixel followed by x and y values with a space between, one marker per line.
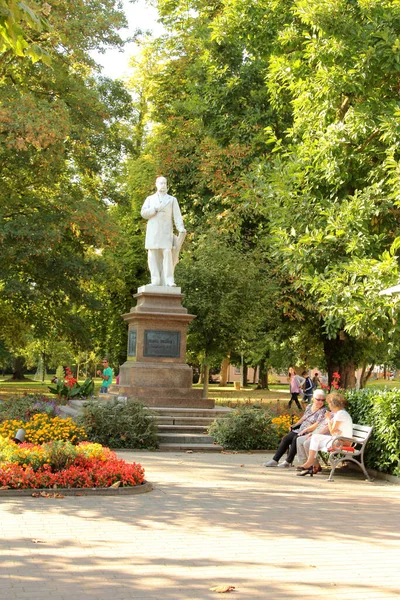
pixel 313 415
pixel 338 422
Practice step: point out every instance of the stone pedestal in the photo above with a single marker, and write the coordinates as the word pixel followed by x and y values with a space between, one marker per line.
pixel 156 372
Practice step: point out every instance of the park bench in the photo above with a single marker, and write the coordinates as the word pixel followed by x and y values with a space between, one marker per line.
pixel 352 450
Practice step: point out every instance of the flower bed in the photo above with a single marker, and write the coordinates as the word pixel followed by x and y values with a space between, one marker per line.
pixel 283 424
pixel 44 428
pixel 62 465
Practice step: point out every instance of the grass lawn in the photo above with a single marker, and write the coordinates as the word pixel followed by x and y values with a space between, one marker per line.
pixel 227 396
pixel 12 388
pixel 381 384
pixel 222 395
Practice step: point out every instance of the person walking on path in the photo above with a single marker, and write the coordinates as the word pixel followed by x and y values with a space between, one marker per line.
pixel 313 416
pixel 307 388
pixel 295 383
pixel 315 380
pixel 106 376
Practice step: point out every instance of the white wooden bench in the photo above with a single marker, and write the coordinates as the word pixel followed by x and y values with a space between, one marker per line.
pixel 361 435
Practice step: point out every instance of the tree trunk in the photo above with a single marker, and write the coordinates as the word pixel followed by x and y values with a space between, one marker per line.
pixel 223 378
pixel 245 375
pixel 206 375
pixel 338 356
pixel 254 375
pixel 365 375
pixel 18 364
pixel 263 375
pixel 43 366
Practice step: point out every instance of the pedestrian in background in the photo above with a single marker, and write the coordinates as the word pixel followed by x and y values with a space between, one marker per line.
pixel 106 376
pixel 295 383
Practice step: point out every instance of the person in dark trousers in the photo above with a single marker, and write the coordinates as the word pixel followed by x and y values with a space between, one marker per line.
pixel 295 383
pixel 313 416
pixel 307 388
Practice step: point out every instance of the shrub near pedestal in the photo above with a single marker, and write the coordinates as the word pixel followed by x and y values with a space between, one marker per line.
pixel 246 428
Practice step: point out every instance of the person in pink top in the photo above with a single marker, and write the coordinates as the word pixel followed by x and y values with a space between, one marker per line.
pixel 295 383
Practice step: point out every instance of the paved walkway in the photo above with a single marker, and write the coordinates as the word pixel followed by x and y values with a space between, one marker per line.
pixel 211 519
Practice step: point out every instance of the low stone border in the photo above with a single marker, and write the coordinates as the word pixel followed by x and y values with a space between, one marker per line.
pixel 382 476
pixel 120 491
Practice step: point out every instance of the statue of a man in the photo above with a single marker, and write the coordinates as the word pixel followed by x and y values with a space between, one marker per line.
pixel 161 210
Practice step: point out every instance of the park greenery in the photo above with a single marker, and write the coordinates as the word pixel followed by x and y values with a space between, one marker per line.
pixel 277 126
pixel 252 425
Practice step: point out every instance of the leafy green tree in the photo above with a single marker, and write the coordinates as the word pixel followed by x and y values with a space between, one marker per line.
pixel 224 289
pixel 63 132
pixel 277 125
pixel 332 189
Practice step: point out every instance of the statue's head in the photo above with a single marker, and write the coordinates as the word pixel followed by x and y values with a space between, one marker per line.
pixel 161 184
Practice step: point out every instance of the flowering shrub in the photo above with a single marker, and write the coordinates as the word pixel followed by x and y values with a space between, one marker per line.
pixel 69 387
pixel 86 465
pixel 335 385
pixel 42 428
pixel 24 407
pixel 282 424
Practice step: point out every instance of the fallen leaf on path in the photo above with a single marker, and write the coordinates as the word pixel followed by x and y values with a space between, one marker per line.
pixel 221 589
pixel 46 495
pixel 189 451
pixel 242 465
pixel 39 541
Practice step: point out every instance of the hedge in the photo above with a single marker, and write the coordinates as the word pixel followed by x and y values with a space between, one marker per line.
pixel 381 409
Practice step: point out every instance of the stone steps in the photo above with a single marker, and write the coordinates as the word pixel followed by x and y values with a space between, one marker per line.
pixel 185 429
pixel 179 429
pixel 182 428
pixel 184 438
pixel 197 447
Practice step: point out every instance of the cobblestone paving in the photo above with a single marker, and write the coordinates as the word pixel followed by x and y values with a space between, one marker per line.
pixel 211 519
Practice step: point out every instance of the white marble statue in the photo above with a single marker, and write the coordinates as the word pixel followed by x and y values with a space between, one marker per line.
pixel 161 210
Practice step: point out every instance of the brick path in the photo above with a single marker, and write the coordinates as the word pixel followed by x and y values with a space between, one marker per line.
pixel 211 519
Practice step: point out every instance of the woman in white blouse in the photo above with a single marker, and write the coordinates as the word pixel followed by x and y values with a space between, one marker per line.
pixel 339 422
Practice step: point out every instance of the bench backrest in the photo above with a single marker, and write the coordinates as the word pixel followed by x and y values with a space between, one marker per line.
pixel 361 433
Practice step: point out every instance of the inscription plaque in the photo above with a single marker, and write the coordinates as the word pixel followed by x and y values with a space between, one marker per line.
pixel 162 344
pixel 132 342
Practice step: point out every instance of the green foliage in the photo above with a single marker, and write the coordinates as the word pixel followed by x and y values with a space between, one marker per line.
pixel 381 409
pixel 18 25
pixel 223 287
pixel 64 132
pixel 245 428
pixel 119 424
pixel 60 454
pixel 24 407
pixel 277 125
pixel 75 391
